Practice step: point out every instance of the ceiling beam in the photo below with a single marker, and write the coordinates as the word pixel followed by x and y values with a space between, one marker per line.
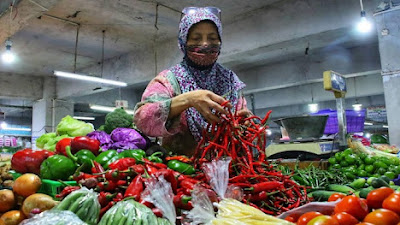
pixel 16 19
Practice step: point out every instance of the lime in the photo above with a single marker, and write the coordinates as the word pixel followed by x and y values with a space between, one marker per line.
pixel 359 161
pixel 336 166
pixel 391 175
pixel 387 161
pixel 380 164
pixel 369 160
pixel 350 175
pixel 348 151
pixel 361 173
pixel 369 168
pixel 381 170
pixel 350 159
pixel 332 160
pixel 375 175
pixel 344 163
pixel 338 156
pixel 361 167
pixel 362 155
pixel 395 161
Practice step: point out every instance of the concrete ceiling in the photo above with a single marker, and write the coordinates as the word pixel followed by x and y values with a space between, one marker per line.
pixel 44 36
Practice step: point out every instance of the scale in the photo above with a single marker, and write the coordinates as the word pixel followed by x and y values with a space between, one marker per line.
pixel 306 142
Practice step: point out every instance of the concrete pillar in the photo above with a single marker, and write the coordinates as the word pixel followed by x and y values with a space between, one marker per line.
pixel 387 23
pixel 48 111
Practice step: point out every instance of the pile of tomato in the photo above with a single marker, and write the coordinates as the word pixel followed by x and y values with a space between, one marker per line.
pixel 382 207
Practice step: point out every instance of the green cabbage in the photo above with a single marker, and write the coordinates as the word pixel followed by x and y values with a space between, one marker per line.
pixel 74 128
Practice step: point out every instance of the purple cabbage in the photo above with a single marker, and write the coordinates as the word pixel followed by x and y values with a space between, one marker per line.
pixel 103 137
pixel 397 180
pixel 129 137
pixel 123 145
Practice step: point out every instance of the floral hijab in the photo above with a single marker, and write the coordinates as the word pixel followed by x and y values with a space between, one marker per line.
pixel 217 79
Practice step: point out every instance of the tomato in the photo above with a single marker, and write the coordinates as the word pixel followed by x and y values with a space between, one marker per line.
pixel 392 202
pixel 352 205
pixel 336 196
pixel 292 218
pixel 382 217
pixel 364 223
pixel 345 219
pixel 323 220
pixel 376 197
pixel 306 217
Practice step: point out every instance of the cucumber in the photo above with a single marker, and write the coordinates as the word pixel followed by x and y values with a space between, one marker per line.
pixel 385 178
pixel 370 179
pixel 378 182
pixel 322 195
pixel 358 183
pixel 341 188
pixel 364 192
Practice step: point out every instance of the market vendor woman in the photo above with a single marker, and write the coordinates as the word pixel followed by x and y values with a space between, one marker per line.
pixel 182 100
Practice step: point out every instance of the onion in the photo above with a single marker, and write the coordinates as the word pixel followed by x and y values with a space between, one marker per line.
pixel 40 201
pixel 13 217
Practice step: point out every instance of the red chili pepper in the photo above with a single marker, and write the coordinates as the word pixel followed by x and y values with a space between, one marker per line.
pixel 182 201
pixel 265 186
pixel 122 164
pixel 114 175
pixel 28 160
pixel 146 203
pixel 61 144
pixel 82 176
pixel 181 158
pixel 105 197
pixel 169 176
pixel 66 191
pixel 135 188
pixel 138 169
pixel 79 143
pixel 104 209
pixel 156 165
pixel 107 186
pixel 157 212
pixel 151 170
pixel 97 168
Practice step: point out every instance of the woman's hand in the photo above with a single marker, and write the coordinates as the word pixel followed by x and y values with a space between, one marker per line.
pixel 204 101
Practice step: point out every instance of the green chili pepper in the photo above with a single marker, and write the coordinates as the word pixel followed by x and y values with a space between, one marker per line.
pixel 83 158
pixel 107 157
pixel 181 167
pixel 137 154
pixel 57 167
pixel 155 157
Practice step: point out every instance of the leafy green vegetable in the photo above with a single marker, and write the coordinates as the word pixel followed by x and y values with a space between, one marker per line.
pixel 73 127
pixel 48 141
pixel 117 118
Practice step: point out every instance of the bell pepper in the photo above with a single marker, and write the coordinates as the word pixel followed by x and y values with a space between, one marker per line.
pixel 79 143
pixel 28 160
pixel 107 157
pixel 60 146
pixel 181 167
pixel 57 167
pixel 137 154
pixel 83 158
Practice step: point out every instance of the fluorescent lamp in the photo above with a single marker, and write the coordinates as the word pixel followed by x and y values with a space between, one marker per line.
pixel 357 107
pixel 17 129
pixel 368 124
pixel 385 126
pixel 83 118
pixel 313 107
pixel 89 78
pixel 108 109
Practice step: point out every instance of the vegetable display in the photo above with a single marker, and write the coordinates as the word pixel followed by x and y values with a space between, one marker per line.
pixel 117 119
pixel 28 160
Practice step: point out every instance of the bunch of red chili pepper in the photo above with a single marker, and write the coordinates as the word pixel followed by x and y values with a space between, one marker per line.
pixel 244 140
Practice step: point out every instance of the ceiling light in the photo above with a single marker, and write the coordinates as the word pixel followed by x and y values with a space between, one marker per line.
pixel 8 56
pixel 368 124
pixel 84 118
pixel 367 135
pixel 313 107
pixel 3 125
pixel 89 78
pixel 357 107
pixel 385 126
pixel 108 109
pixel 17 129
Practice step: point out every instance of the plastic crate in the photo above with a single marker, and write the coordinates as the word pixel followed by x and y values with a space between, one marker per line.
pixel 49 187
pixel 354 120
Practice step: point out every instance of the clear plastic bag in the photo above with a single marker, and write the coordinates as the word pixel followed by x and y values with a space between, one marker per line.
pixel 84 203
pixel 159 192
pixel 323 207
pixel 51 217
pixel 217 173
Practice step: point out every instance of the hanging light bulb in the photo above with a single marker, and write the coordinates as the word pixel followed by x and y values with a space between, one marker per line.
pixel 357 107
pixel 364 26
pixel 313 107
pixel 8 56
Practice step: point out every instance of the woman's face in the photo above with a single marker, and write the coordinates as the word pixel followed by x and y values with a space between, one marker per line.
pixel 203 33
